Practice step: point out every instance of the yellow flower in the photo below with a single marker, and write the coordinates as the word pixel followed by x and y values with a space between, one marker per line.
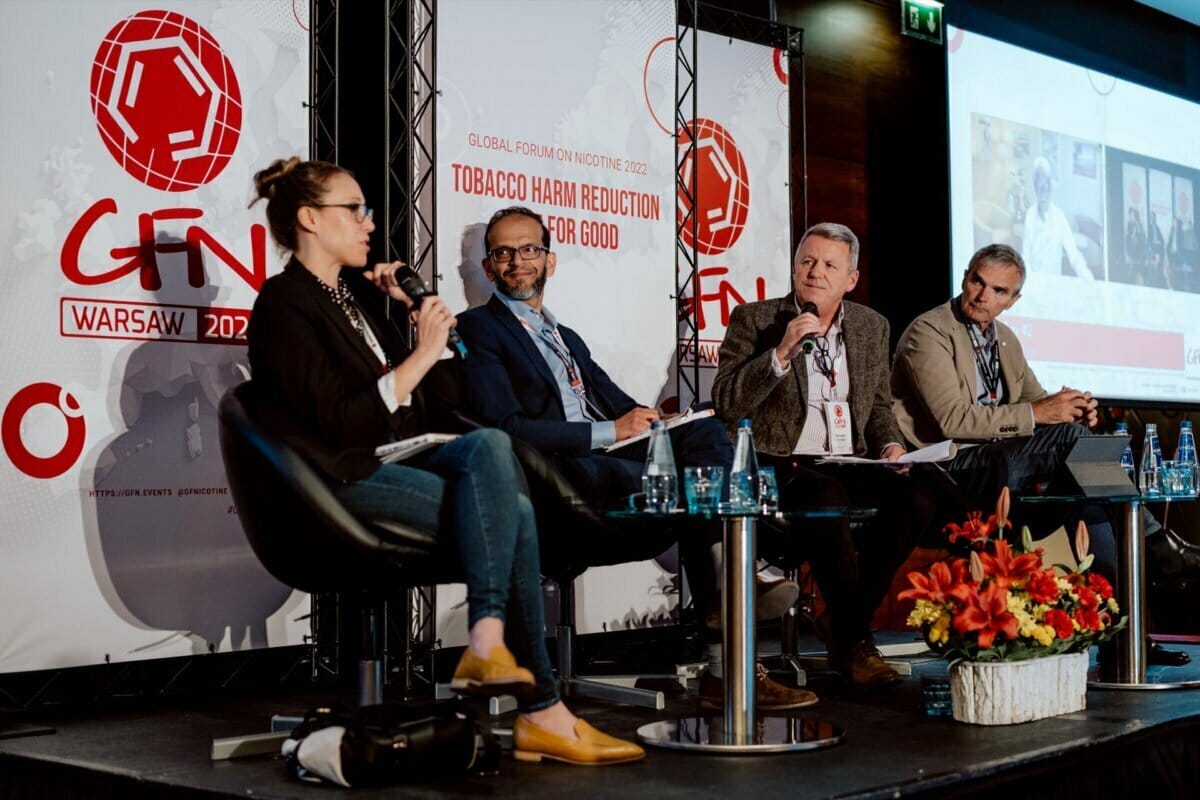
pixel 940 632
pixel 1112 605
pixel 1043 635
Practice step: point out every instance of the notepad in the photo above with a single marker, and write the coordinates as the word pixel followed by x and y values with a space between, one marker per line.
pixel 674 422
pixel 407 448
pixel 942 451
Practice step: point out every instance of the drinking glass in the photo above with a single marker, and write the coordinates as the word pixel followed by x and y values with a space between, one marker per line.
pixel 702 488
pixel 1176 479
pixel 768 490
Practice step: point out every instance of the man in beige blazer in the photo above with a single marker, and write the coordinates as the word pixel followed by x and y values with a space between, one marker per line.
pixel 790 395
pixel 960 374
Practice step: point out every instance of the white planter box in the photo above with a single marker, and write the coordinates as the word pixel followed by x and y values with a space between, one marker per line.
pixel 1005 692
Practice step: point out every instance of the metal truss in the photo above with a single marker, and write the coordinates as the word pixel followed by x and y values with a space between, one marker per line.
pixel 411 641
pixel 411 200
pixel 409 214
pixel 687 284
pixel 323 84
pixel 691 17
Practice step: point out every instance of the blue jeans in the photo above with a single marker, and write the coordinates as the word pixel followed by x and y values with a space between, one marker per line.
pixel 474 488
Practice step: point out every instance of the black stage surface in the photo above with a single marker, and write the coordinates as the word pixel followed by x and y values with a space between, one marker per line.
pixel 1126 744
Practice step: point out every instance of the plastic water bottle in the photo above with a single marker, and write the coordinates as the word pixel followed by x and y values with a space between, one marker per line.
pixel 743 477
pixel 660 481
pixel 1185 454
pixel 1148 473
pixel 1127 456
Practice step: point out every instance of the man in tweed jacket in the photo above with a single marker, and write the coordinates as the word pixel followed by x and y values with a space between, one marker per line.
pixel 765 376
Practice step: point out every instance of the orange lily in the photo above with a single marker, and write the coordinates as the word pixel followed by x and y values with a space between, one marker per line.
pixel 1005 569
pixel 987 613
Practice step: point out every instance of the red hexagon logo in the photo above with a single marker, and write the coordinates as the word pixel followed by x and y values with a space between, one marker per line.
pixel 715 173
pixel 166 100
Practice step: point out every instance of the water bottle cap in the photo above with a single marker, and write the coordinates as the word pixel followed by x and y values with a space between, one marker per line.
pixel 1151 426
pixel 1186 425
pixel 658 425
pixel 744 423
pixel 1122 427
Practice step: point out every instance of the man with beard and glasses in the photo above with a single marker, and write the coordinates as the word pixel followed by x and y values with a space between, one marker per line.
pixel 534 378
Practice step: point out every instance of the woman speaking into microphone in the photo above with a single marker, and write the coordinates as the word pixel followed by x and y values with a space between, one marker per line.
pixel 323 357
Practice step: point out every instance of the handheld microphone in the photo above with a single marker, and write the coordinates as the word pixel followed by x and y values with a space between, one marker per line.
pixel 808 341
pixel 416 288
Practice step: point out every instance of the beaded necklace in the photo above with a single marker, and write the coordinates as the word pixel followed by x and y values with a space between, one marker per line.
pixel 345 301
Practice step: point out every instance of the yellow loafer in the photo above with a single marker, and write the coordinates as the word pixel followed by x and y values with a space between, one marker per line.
pixel 496 674
pixel 591 749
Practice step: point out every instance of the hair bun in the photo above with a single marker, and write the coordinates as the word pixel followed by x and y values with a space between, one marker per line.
pixel 265 180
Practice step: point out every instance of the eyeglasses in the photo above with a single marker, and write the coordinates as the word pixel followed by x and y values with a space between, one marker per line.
pixel 528 252
pixel 359 210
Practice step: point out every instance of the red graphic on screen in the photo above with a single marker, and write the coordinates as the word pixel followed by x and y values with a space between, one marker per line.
pixel 166 100
pixel 780 66
pixel 10 430
pixel 715 174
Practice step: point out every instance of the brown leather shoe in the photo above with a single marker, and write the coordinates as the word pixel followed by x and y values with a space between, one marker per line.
pixel 591 749
pixel 863 665
pixel 768 695
pixel 494 675
pixel 772 599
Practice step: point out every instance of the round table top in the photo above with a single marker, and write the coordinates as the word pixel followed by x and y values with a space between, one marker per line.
pixel 821 512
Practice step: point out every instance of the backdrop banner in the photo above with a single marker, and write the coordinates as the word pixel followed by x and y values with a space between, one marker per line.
pixel 129 265
pixel 738 174
pixel 568 108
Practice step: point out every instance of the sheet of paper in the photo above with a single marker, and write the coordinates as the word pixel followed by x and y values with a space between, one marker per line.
pixel 942 451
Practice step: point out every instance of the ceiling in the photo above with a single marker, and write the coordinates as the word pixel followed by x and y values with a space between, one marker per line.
pixel 1184 9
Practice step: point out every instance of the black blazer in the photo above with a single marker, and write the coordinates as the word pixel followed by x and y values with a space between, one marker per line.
pixel 509 385
pixel 316 378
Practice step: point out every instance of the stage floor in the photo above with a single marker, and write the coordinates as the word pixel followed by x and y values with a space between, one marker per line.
pixel 1125 743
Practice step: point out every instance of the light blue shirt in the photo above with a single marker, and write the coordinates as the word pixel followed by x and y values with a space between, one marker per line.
pixel 541 328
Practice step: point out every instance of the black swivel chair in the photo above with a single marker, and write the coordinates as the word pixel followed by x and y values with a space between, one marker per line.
pixel 305 537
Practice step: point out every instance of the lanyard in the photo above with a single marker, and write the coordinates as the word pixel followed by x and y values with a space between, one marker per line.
pixel 988 365
pixel 825 360
pixel 554 341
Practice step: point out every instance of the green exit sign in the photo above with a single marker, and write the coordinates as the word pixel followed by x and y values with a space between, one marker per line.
pixel 922 19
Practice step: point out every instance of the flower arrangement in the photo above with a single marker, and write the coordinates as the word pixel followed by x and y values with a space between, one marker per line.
pixel 1000 603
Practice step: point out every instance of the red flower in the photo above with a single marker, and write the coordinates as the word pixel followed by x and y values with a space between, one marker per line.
pixel 1100 585
pixel 1087 618
pixel 1087 598
pixel 1059 620
pixel 987 613
pixel 939 585
pixel 1042 587
pixel 1005 569
pixel 975 530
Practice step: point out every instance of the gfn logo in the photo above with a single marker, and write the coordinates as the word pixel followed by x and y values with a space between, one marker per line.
pixel 166 100
pixel 715 175
pixel 39 466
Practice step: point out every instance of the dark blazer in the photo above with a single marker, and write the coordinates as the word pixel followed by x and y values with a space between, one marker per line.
pixel 509 385
pixel 313 370
pixel 746 386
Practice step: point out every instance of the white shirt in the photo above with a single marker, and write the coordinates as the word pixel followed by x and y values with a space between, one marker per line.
pixel 814 436
pixel 1045 239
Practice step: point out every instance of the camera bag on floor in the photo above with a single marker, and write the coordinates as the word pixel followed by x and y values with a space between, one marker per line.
pixel 384 744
